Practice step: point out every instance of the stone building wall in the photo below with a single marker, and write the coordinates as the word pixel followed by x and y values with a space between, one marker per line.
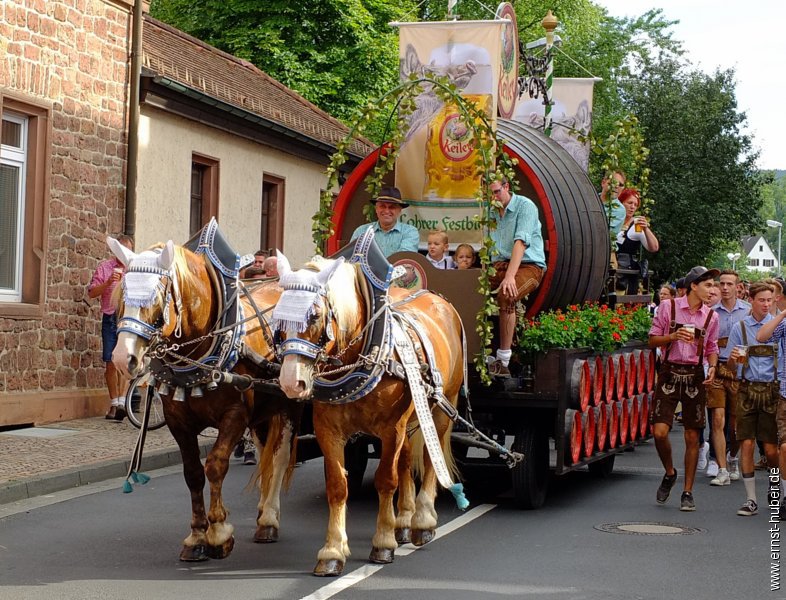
pixel 69 57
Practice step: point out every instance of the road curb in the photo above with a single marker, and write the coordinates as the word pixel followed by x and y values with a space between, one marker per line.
pixel 40 485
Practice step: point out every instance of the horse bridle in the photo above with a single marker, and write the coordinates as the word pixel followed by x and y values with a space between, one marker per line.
pixel 301 347
pixel 171 292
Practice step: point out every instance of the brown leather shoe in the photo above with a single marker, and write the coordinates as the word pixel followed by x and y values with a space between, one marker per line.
pixel 120 413
pixel 111 413
pixel 497 369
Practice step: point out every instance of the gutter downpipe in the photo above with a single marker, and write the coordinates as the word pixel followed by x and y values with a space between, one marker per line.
pixel 133 119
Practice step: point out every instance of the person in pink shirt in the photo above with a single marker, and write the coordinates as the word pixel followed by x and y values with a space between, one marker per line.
pixel 688 329
pixel 102 285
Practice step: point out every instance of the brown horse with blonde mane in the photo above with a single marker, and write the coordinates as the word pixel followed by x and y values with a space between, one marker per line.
pixel 171 312
pixel 328 294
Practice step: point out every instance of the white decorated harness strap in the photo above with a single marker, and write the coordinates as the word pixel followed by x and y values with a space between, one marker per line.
pixel 409 360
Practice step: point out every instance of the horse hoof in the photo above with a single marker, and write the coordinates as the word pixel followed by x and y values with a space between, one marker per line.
pixel 403 535
pixel 223 550
pixel 382 556
pixel 266 534
pixel 421 537
pixel 193 553
pixel 329 568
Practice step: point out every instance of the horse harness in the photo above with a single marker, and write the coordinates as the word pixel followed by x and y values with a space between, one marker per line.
pixel 168 365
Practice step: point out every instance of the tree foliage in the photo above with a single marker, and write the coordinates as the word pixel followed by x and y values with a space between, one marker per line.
pixel 704 181
pixel 337 54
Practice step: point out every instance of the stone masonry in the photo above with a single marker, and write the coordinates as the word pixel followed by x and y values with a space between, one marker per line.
pixel 72 55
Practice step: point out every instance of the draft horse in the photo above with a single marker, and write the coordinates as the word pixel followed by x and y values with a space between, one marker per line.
pixel 322 319
pixel 170 315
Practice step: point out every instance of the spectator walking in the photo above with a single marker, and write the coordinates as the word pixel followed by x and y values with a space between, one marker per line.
pixel 271 266
pixel 688 329
pixel 722 394
pixel 102 285
pixel 759 389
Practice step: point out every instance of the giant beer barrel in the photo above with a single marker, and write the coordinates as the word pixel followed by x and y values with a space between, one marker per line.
pixel 575 229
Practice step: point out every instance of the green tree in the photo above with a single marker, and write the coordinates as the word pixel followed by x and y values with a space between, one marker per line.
pixel 704 182
pixel 338 54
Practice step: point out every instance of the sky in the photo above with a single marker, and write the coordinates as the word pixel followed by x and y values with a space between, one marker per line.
pixel 721 33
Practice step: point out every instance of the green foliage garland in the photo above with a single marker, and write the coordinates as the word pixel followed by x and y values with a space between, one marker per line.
pixel 491 164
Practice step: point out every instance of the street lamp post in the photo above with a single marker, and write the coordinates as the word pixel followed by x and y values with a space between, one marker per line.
pixel 779 225
pixel 733 256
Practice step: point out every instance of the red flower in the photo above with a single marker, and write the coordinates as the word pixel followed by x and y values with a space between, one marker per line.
pixel 561 318
pixel 616 336
pixel 573 307
pixel 603 307
pixel 565 327
pixel 622 327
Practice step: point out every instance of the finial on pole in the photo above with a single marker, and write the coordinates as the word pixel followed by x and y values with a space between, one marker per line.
pixel 549 23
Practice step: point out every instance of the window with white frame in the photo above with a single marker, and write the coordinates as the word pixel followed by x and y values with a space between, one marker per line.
pixel 753 262
pixel 767 262
pixel 13 166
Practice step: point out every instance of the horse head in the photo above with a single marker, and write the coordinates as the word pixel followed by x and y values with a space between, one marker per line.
pixel 310 318
pixel 151 303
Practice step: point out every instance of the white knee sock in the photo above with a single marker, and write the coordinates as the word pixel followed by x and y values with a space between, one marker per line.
pixel 783 489
pixel 750 486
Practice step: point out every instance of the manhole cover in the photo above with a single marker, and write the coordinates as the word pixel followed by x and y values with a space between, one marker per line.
pixel 639 528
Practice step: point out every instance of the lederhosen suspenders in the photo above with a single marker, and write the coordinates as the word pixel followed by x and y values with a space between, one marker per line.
pixel 681 382
pixel 759 395
pixel 700 334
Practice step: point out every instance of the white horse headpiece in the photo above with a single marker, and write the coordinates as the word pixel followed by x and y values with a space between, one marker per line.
pixel 142 279
pixel 302 289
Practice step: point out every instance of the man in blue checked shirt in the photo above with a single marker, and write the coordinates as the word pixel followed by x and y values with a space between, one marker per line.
pixel 759 394
pixel 390 234
pixel 519 259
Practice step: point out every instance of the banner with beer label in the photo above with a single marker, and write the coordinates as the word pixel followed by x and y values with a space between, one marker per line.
pixel 571 115
pixel 435 170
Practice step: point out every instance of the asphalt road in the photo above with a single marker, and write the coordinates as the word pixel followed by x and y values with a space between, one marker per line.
pixel 99 543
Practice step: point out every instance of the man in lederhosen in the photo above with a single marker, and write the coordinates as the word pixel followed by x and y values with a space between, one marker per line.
pixel 722 394
pixel 774 330
pixel 689 330
pixel 758 393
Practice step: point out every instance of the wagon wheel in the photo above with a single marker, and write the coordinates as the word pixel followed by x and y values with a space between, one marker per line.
pixel 602 468
pixel 531 476
pixel 136 408
pixel 355 462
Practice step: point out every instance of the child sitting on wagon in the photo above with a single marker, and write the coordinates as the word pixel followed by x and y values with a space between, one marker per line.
pixel 464 256
pixel 438 250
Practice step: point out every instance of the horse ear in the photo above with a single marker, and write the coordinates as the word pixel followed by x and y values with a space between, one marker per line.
pixel 324 275
pixel 282 265
pixel 124 255
pixel 167 255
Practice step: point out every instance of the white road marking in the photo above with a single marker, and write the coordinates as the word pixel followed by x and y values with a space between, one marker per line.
pixel 350 579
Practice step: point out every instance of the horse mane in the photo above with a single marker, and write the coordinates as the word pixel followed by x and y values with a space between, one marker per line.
pixel 345 304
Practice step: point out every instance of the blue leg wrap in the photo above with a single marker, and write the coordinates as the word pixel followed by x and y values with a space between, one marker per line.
pixel 457 489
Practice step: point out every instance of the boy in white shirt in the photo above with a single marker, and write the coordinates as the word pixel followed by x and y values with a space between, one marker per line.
pixel 438 250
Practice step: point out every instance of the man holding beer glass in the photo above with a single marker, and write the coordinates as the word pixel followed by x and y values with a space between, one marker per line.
pixel 688 329
pixel 758 393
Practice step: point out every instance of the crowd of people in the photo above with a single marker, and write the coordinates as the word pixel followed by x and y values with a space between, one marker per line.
pixel 722 345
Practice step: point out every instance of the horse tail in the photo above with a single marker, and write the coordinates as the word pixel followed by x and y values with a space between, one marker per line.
pixel 418 447
pixel 275 432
